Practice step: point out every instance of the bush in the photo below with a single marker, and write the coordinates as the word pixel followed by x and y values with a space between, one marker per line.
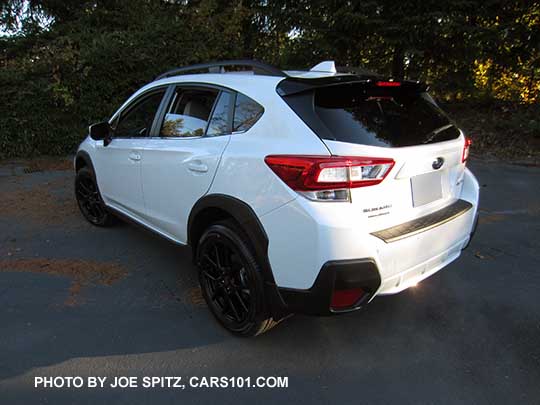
pixel 508 130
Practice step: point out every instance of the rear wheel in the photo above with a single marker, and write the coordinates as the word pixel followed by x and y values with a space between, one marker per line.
pixel 89 200
pixel 231 280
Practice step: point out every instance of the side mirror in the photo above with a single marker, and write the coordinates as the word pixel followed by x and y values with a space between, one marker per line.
pixel 100 131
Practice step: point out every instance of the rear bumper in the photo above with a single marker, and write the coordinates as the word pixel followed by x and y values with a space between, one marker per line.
pixel 473 232
pixel 364 274
pixel 334 233
pixel 340 274
pixel 415 274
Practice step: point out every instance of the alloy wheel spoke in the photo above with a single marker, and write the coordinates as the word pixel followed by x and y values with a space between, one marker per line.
pixel 233 308
pixel 207 257
pixel 218 261
pixel 241 300
pixel 217 293
pixel 84 194
pixel 211 277
pixel 81 196
pixel 93 211
pixel 99 210
pixel 87 190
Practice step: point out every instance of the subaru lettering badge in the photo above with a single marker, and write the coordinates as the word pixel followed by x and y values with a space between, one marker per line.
pixel 437 163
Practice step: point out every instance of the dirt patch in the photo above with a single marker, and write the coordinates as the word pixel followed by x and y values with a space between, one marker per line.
pixel 195 297
pixel 83 273
pixel 487 217
pixel 490 218
pixel 48 203
pixel 43 164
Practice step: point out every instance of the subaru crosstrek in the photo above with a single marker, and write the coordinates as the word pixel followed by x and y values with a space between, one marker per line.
pixel 298 191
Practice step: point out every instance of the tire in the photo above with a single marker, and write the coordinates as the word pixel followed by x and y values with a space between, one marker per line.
pixel 231 280
pixel 89 199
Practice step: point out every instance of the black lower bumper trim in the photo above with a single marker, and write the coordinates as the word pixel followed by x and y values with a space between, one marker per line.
pixel 341 274
pixel 424 223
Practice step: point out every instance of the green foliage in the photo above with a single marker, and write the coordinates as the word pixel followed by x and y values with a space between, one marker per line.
pixel 505 129
pixel 73 63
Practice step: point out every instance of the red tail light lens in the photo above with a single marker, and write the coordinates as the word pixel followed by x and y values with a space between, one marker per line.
pixel 342 299
pixel 314 173
pixel 466 147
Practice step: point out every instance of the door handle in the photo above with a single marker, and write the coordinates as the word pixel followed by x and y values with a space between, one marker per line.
pixel 198 167
pixel 134 156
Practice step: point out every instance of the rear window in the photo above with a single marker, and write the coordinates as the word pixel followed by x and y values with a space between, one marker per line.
pixel 373 116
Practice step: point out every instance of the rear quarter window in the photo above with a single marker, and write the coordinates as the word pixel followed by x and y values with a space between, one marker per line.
pixel 246 113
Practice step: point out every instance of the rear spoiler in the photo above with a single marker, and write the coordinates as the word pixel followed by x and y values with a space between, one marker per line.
pixel 295 85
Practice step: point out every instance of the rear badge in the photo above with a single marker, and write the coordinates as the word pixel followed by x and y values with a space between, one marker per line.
pixel 378 211
pixel 437 163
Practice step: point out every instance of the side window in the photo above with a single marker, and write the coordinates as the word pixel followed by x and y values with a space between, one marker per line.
pixel 188 113
pixel 246 113
pixel 137 120
pixel 219 123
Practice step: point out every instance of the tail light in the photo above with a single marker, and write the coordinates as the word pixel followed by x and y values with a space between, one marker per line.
pixel 328 178
pixel 466 147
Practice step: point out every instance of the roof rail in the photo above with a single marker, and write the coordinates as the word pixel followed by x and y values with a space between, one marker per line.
pixel 218 67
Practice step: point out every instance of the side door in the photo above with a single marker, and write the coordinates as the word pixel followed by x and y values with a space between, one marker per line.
pixel 118 165
pixel 180 161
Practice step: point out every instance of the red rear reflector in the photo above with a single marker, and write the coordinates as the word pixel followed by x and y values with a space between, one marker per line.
pixel 342 299
pixel 387 84
pixel 311 173
pixel 466 147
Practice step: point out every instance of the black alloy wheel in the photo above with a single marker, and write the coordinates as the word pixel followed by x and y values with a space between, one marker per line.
pixel 231 281
pixel 89 200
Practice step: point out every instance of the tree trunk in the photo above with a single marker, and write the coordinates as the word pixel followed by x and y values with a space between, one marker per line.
pixel 398 63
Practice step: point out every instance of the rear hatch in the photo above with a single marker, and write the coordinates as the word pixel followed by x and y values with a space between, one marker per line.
pixel 386 119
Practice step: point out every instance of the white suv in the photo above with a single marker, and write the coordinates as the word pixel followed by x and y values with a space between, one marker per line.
pixel 299 192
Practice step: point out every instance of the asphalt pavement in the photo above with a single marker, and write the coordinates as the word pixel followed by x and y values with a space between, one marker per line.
pixel 76 300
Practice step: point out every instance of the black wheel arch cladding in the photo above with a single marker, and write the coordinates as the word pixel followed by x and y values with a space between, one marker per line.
pixel 246 218
pixel 85 157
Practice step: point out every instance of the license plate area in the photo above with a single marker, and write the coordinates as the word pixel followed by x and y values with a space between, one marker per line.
pixel 426 188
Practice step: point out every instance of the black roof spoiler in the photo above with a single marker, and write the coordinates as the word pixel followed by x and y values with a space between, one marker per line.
pixel 295 85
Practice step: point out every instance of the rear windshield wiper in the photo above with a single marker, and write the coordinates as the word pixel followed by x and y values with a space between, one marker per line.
pixel 433 134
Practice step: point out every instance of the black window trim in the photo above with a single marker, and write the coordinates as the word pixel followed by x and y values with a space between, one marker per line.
pixel 170 89
pixel 117 116
pixel 211 115
pixel 155 133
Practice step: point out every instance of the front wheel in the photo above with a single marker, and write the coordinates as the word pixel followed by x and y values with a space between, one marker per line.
pixel 89 200
pixel 231 280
